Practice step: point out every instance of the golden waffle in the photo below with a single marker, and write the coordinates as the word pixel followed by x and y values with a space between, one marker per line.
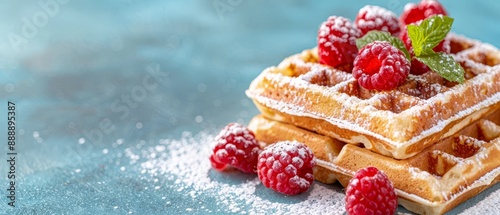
pixel 398 123
pixel 432 182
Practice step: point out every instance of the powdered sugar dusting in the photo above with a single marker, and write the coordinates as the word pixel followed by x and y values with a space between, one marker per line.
pixel 372 17
pixel 337 39
pixel 341 24
pixel 241 134
pixel 185 165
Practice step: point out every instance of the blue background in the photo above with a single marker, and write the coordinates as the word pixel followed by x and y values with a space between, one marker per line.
pixel 183 65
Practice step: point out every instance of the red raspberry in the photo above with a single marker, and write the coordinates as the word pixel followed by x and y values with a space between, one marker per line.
pixel 377 18
pixel 370 192
pixel 417 67
pixel 236 146
pixel 337 42
pixel 380 66
pixel 416 12
pixel 286 167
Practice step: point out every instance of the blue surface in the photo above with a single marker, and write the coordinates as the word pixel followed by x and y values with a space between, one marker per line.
pixel 99 84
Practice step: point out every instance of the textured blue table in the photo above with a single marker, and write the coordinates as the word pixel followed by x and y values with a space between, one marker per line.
pixel 117 101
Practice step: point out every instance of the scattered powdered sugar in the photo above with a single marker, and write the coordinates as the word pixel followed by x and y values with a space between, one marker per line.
pixel 184 162
pixel 488 206
pixel 182 167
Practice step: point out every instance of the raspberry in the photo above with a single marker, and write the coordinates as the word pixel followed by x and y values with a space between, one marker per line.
pixel 286 167
pixel 377 18
pixel 380 66
pixel 337 42
pixel 237 147
pixel 416 12
pixel 370 192
pixel 417 67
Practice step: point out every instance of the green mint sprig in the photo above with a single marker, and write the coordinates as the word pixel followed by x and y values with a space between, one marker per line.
pixel 424 38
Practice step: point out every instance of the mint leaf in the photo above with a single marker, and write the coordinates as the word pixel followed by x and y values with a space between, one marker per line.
pixel 429 33
pixel 435 30
pixel 371 37
pixel 382 36
pixel 417 37
pixel 425 37
pixel 445 65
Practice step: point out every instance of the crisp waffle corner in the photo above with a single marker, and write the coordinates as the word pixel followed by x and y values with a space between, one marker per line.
pixel 436 140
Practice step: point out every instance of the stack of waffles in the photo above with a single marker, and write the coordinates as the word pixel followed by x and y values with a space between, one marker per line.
pixel 438 141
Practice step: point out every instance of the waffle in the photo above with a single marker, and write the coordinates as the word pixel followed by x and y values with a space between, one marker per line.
pixel 399 123
pixel 432 182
